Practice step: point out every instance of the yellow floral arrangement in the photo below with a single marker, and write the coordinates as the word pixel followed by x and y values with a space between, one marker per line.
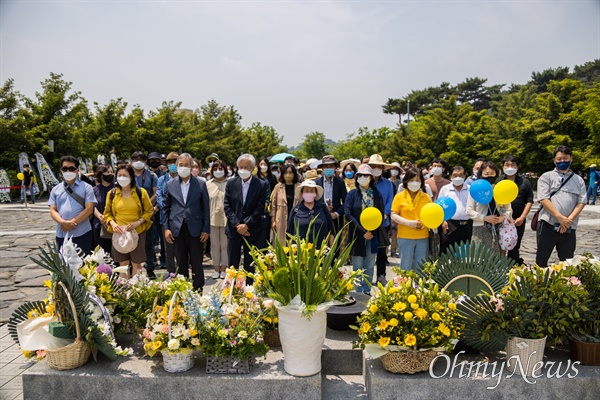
pixel 409 314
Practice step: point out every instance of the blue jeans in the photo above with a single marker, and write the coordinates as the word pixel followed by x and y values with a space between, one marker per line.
pixel 412 252
pixel 31 192
pixel 367 264
pixel 592 192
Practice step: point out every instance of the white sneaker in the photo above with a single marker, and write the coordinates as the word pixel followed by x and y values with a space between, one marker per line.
pixel 222 275
pixel 215 275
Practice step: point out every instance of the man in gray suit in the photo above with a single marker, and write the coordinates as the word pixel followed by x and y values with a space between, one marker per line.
pixel 186 219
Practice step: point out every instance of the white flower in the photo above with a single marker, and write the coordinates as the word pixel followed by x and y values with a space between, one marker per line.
pixel 346 271
pixel 228 309
pixel 195 342
pixel 173 344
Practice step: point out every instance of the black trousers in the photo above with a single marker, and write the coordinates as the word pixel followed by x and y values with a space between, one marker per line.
pixel 84 242
pixel 234 252
pixel 458 231
pixel 106 244
pixel 514 254
pixel 150 253
pixel 188 250
pixel 548 238
pixel 381 260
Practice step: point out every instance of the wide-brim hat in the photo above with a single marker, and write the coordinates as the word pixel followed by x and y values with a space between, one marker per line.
pixel 376 159
pixel 311 184
pixel 364 169
pixel 593 166
pixel 348 161
pixel 328 160
pixel 172 156
pixel 311 174
pixel 312 161
pixel 395 165
pixel 125 242
pixel 212 157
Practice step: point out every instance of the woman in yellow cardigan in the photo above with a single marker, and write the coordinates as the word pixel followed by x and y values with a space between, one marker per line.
pixel 413 236
pixel 125 211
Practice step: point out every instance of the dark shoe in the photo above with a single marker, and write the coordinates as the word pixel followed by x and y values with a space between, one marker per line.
pixel 151 275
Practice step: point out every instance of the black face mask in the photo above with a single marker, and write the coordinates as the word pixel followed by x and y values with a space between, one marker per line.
pixel 154 164
pixel 490 179
pixel 108 178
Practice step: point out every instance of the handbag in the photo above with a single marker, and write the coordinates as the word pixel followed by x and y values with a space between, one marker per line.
pixel 383 238
pixel 536 215
pixel 507 234
pixel 434 242
pixel 104 233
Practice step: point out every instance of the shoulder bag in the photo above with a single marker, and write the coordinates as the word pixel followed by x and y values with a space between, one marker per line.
pixel 536 216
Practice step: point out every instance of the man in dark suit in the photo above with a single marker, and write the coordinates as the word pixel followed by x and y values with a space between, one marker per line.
pixel 244 206
pixel 334 191
pixel 186 219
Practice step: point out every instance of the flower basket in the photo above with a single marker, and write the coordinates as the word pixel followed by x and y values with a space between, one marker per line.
pixel 73 355
pixel 228 365
pixel 523 354
pixel 407 362
pixel 588 353
pixel 271 338
pixel 177 361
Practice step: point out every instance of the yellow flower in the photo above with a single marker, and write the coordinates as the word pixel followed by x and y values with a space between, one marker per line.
pixel 383 325
pixel 366 327
pixel 421 313
pixel 48 283
pixel 412 298
pixel 286 249
pixel 259 280
pixel 452 306
pixel 436 317
pixel 393 322
pixel 193 332
pixel 393 290
pixel 399 306
pixel 444 329
pixel 309 246
pixel 249 295
pixel 50 308
pixel 275 320
pixel 156 345
pixel 383 341
pixel 231 273
pixel 410 340
pixel 225 292
pixel 241 275
pixel 414 306
pixel 349 286
pixel 408 315
pixel 373 308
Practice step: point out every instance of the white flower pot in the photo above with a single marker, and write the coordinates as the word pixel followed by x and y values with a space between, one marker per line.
pixel 523 354
pixel 302 340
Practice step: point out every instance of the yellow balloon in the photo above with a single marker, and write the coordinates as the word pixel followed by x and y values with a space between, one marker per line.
pixel 505 192
pixel 371 218
pixel 20 176
pixel 432 215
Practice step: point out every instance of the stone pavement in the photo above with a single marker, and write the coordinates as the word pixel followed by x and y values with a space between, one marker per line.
pixel 23 230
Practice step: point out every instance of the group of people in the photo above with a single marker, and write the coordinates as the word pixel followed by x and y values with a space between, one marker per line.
pixel 170 200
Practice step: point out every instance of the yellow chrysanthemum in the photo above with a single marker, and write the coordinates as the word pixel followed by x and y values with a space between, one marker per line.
pixel 226 291
pixel 383 325
pixel 383 341
pixel 366 327
pixel 50 308
pixel 399 306
pixel 373 308
pixel 412 298
pixel 410 340
pixel 436 317
pixel 393 290
pixel 193 332
pixel 408 315
pixel 444 330
pixel 393 322
pixel 452 306
pixel 249 295
pixel 421 313
pixel 414 306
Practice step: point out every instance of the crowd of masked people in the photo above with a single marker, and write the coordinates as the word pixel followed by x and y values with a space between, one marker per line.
pixel 175 206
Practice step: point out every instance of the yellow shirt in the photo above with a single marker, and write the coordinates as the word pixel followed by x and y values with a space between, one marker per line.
pixel 127 210
pixel 407 208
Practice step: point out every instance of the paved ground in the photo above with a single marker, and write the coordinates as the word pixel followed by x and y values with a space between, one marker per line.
pixel 23 230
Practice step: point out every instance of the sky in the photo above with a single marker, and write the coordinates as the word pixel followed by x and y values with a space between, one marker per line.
pixel 298 66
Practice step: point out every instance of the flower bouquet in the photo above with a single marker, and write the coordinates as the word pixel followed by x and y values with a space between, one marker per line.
pixel 270 321
pixel 229 322
pixel 407 322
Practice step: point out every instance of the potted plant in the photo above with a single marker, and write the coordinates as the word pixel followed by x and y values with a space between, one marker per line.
pixel 229 324
pixel 304 280
pixel 538 305
pixel 407 322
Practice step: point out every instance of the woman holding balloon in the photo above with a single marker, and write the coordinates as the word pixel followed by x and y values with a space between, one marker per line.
pixel 413 235
pixel 363 210
pixel 485 211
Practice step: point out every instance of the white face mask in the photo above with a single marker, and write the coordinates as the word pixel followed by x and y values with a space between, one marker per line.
pixel 123 181
pixel 377 171
pixel 138 165
pixel 219 173
pixel 436 171
pixel 394 172
pixel 276 174
pixel 263 168
pixel 229 173
pixel 184 172
pixel 364 181
pixel 244 174
pixel 510 171
pixel 414 186
pixel 425 176
pixel 458 181
pixel 69 176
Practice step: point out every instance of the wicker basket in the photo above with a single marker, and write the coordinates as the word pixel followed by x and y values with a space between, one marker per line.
pixel 585 352
pixel 73 355
pixel 271 338
pixel 407 362
pixel 176 361
pixel 526 352
pixel 228 365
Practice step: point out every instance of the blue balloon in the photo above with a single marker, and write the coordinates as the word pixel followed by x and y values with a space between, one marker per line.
pixel 449 206
pixel 482 191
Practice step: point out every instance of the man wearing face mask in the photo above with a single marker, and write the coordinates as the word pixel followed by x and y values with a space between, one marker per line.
pixel 171 161
pixel 561 193
pixel 71 204
pixel 154 162
pixel 437 180
pixel 521 205
pixel 460 227
pixel 476 167
pixel 334 191
pixel 244 206
pixel 146 180
pixel 186 219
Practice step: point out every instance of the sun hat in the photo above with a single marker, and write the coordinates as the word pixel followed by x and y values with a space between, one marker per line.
pixel 311 184
pixel 311 161
pixel 348 161
pixel 329 159
pixel 125 242
pixel 172 156
pixel 212 157
pixel 376 159
pixel 311 174
pixel 364 169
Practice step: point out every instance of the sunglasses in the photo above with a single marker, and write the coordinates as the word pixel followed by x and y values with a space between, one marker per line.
pixel 70 169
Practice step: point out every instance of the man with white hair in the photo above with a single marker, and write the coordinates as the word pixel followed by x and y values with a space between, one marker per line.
pixel 244 205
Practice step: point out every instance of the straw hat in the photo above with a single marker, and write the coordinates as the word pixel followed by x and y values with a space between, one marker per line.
pixel 376 159
pixel 311 174
pixel 348 161
pixel 311 184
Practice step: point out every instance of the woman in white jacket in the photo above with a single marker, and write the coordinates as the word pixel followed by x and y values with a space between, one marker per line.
pixel 488 217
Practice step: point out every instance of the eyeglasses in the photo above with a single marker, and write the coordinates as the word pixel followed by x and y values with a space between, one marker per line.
pixel 70 169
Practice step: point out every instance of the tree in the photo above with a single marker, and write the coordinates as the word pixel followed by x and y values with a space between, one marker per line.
pixel 542 79
pixel 261 141
pixel 14 122
pixel 313 146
